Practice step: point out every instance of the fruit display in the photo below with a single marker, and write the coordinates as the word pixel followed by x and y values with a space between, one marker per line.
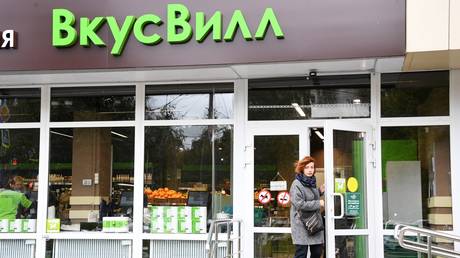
pixel 164 195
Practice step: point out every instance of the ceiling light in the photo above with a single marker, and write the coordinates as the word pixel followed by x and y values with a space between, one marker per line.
pixel 62 134
pixel 119 134
pixel 320 135
pixel 298 109
pixel 356 101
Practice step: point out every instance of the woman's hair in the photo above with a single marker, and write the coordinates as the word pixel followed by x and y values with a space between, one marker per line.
pixel 300 164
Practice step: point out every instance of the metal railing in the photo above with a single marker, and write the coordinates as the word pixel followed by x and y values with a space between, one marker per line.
pixel 224 233
pixel 429 245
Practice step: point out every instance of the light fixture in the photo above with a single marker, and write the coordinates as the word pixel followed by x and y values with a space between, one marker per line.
pixel 320 135
pixel 298 109
pixel 119 134
pixel 125 184
pixel 62 134
pixel 356 101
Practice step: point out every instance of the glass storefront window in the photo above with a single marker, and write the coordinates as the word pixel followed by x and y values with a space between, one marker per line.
pixel 415 94
pixel 273 245
pixel 19 105
pixel 188 169
pixel 91 179
pixel 315 98
pixel 19 151
pixel 351 246
pixel 417 177
pixel 189 101
pixel 274 158
pixel 92 103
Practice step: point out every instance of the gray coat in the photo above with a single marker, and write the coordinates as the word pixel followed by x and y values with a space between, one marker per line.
pixel 304 202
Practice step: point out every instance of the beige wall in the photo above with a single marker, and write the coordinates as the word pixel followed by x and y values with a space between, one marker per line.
pixel 432 34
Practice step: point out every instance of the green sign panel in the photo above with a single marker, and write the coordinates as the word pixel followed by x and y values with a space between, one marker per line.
pixel 352 204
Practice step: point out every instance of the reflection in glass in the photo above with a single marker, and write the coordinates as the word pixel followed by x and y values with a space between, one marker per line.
pixel 19 105
pixel 186 163
pixel 92 103
pixel 415 94
pixel 351 246
pixel 189 101
pixel 273 246
pixel 416 177
pixel 91 178
pixel 317 98
pixel 392 249
pixel 350 179
pixel 19 153
pixel 274 158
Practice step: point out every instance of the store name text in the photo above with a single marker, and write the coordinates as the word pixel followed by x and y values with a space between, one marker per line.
pixel 8 39
pixel 179 30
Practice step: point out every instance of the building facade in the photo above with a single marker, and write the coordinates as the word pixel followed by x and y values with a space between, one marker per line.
pixel 130 126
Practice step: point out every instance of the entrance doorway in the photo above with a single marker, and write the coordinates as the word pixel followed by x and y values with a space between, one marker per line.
pixel 342 152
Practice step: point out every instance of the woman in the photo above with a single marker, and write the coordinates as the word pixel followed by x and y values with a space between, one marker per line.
pixel 305 202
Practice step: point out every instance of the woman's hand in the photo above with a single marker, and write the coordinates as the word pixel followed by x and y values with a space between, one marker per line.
pixel 322 189
pixel 321 203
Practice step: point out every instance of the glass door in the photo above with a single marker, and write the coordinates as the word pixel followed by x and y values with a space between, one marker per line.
pixel 347 155
pixel 274 150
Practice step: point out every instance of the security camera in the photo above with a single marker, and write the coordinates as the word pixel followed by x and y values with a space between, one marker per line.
pixel 312 75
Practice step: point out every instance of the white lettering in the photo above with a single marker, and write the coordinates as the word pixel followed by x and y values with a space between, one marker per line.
pixel 8 39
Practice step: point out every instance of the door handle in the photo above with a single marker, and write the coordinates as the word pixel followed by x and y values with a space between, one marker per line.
pixel 342 205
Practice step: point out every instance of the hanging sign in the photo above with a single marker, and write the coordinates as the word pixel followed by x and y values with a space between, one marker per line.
pixel 278 185
pixel 339 185
pixel 352 204
pixel 283 198
pixel 352 184
pixel 264 196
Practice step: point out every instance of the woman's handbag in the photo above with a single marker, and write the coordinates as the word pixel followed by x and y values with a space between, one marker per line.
pixel 314 223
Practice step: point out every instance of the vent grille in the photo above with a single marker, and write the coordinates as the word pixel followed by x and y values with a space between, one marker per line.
pixel 181 249
pixel 91 248
pixel 17 248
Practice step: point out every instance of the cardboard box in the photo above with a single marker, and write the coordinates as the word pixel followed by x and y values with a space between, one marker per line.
pixel 115 224
pixel 184 226
pixel 156 225
pixel 178 219
pixel 170 212
pixel 14 226
pixel 28 225
pixel 53 225
pixel 198 213
pixel 184 212
pixel 199 226
pixel 4 225
pixel 170 225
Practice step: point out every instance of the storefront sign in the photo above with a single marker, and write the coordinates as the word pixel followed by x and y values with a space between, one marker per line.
pixel 283 198
pixel 163 34
pixel 264 196
pixel 179 29
pixel 8 39
pixel 278 185
pixel 352 204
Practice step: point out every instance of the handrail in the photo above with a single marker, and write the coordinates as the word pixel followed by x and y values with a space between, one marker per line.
pixel 429 247
pixel 213 244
